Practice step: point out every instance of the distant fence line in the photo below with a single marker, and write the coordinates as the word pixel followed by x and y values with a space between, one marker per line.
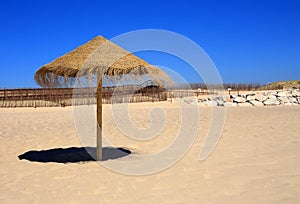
pixel 61 97
pixel 146 92
pixel 51 97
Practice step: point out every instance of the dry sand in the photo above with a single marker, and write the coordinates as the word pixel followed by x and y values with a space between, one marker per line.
pixel 256 160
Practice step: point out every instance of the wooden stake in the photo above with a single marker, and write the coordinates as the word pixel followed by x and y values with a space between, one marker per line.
pixel 99 121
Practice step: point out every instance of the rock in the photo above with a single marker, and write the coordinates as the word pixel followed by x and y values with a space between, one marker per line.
pixel 274 93
pixel 271 101
pixel 260 97
pixel 273 97
pixel 250 97
pixel 284 93
pixel 220 100
pixel 296 92
pixel 239 99
pixel 283 99
pixel 201 100
pixel 292 99
pixel 245 104
pixel 190 101
pixel 256 103
pixel 233 96
pixel 187 100
pixel 221 103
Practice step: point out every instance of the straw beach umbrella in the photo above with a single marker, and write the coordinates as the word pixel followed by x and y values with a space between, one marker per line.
pixel 98 57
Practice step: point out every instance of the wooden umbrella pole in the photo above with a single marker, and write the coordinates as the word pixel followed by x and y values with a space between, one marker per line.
pixel 99 121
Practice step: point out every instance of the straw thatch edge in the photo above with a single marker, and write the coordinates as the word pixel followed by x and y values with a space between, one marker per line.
pixel 46 78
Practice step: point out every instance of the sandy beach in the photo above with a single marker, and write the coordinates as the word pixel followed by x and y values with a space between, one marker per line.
pixel 256 160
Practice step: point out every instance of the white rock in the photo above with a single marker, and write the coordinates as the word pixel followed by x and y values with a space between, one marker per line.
pixel 272 93
pixel 250 97
pixel 287 97
pixel 260 97
pixel 284 93
pixel 256 103
pixel 283 99
pixel 220 100
pixel 271 101
pixel 187 100
pixel 292 100
pixel 190 101
pixel 273 97
pixel 296 92
pixel 201 100
pixel 239 99
pixel 220 103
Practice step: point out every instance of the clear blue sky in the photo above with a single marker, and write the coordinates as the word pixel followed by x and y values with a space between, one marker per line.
pixel 248 40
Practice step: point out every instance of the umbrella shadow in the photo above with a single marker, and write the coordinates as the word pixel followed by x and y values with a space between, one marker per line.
pixel 73 154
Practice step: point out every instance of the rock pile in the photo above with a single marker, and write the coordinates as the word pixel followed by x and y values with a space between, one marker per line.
pixel 266 98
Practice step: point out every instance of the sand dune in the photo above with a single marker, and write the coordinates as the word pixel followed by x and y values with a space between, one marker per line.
pixel 256 160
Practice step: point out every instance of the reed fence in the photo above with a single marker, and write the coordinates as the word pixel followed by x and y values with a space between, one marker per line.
pixel 54 97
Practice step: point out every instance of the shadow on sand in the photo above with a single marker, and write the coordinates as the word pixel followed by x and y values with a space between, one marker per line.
pixel 73 154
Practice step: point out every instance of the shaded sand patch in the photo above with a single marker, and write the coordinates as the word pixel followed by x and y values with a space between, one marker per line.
pixel 73 154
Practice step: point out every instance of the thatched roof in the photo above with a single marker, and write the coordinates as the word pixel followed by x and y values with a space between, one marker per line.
pixel 98 56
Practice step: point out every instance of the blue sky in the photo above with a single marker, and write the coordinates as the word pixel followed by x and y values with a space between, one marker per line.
pixel 248 40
